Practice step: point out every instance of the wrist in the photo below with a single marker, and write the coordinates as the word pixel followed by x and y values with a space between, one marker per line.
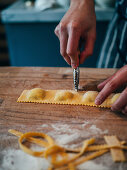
pixel 83 2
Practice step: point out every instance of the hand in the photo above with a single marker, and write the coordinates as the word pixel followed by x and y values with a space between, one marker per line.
pixel 78 23
pixel 110 85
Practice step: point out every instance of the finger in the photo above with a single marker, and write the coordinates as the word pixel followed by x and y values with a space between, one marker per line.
pixel 113 84
pixel 121 74
pixel 106 91
pixel 124 111
pixel 63 46
pixel 88 49
pixel 101 85
pixel 121 102
pixel 72 45
pixel 56 31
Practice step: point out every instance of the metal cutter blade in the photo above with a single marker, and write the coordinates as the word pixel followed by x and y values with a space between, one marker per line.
pixel 76 73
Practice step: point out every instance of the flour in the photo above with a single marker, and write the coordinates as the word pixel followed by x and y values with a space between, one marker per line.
pixel 65 138
pixel 96 130
pixel 64 135
pixel 85 123
pixel 18 160
pixel 44 125
pixel 62 128
pixel 91 165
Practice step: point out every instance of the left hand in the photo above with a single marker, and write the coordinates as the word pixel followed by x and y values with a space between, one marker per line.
pixel 110 85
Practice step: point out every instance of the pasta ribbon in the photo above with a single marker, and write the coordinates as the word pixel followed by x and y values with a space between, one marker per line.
pixel 54 151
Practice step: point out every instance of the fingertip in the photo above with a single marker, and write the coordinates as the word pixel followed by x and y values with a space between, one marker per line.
pixel 98 101
pixel 123 111
pixel 99 86
pixel 74 66
pixel 113 108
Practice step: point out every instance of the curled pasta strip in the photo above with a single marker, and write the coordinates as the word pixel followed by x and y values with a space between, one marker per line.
pixel 54 151
pixel 86 158
pixel 83 149
pixel 34 134
pixel 30 139
pixel 99 147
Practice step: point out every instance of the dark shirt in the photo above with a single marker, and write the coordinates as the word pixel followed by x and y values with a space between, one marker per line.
pixel 114 50
pixel 121 6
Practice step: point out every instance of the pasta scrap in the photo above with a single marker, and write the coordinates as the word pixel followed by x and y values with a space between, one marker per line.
pixel 117 154
pixel 38 95
pixel 52 150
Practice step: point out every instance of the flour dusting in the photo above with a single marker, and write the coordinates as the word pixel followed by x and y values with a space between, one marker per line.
pixel 62 128
pixel 18 160
pixel 67 135
pixel 65 138
pixel 44 125
pixel 85 123
pixel 91 165
pixel 94 129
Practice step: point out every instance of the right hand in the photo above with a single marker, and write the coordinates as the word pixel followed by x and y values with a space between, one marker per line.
pixel 78 23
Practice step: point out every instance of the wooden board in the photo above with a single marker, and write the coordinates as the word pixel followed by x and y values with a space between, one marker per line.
pixel 69 125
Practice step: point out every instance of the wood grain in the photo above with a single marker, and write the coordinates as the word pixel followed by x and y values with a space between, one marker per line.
pixel 85 121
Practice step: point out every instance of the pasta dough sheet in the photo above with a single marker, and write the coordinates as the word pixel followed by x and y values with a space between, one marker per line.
pixel 38 95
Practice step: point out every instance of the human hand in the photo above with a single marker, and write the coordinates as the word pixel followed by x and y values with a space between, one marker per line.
pixel 110 85
pixel 78 23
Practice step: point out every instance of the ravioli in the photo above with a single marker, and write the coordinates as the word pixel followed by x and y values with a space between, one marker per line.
pixel 115 97
pixel 38 95
pixel 90 96
pixel 63 95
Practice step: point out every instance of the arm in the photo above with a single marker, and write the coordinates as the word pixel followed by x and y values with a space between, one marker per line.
pixel 78 23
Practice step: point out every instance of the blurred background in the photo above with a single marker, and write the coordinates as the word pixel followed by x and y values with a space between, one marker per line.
pixel 27 31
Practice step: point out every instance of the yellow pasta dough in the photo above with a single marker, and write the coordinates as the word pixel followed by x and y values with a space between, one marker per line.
pixel 114 98
pixel 117 154
pixel 38 95
pixel 89 96
pixel 63 95
pixel 53 151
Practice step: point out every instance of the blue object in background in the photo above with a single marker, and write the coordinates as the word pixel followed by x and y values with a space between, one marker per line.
pixel 31 38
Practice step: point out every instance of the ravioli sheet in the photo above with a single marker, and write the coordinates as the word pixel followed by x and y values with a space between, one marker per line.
pixel 71 97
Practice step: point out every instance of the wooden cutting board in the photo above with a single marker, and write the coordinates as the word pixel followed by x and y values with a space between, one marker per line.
pixel 68 125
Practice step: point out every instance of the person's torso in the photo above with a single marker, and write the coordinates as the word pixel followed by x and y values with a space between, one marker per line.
pixel 121 6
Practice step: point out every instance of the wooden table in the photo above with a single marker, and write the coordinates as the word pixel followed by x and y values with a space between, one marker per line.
pixel 68 125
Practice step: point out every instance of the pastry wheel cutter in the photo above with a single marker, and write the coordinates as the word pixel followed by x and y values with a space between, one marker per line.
pixel 76 74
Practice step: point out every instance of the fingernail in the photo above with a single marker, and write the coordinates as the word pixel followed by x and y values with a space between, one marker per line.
pixel 112 108
pixel 97 102
pixel 99 86
pixel 74 66
pixel 123 111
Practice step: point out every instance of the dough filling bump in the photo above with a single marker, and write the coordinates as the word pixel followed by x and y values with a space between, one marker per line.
pixel 38 95
pixel 63 95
